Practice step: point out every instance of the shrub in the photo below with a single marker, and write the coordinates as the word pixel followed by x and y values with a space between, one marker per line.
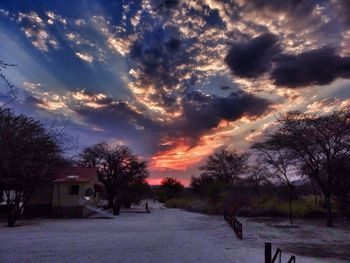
pixel 182 203
pixel 273 207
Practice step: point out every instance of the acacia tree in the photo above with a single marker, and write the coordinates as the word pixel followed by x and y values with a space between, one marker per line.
pixel 200 184
pixel 258 176
pixel 118 169
pixel 226 166
pixel 29 156
pixel 281 165
pixel 92 156
pixel 169 188
pixel 342 183
pixel 319 143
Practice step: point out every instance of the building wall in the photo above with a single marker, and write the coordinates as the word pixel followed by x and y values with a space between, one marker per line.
pixel 66 205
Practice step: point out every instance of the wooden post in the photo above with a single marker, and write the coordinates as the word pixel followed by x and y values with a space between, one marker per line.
pixel 268 249
pixel 241 229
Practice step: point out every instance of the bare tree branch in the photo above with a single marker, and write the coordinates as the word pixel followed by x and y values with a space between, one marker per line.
pixel 11 87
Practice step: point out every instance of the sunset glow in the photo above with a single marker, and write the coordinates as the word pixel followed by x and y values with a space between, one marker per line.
pixel 174 80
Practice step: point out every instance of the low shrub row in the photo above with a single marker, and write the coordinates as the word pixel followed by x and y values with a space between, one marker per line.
pixel 266 207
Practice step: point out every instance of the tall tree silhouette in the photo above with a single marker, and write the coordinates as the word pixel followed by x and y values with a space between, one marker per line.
pixel 29 156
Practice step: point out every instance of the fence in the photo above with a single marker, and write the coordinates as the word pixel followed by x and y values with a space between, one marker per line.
pixel 278 254
pixel 235 224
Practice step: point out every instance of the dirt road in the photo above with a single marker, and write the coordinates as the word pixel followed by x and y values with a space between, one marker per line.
pixel 164 236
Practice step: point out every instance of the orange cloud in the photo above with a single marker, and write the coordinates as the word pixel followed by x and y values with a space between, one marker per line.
pixel 182 155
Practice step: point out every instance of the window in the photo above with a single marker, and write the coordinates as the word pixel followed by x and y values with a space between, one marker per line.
pixel 74 189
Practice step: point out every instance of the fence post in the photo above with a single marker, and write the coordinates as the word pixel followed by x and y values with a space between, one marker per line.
pixel 268 249
pixel 241 231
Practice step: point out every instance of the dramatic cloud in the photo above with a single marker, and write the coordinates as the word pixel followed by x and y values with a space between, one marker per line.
pixel 202 112
pixel 297 8
pixel 35 29
pixel 317 67
pixel 176 80
pixel 252 58
pixel 162 58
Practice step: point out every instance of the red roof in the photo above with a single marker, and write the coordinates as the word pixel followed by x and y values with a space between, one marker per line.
pixel 77 174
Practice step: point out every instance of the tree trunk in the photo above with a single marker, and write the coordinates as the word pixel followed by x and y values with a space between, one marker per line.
pixel 315 195
pixel 290 208
pixel 116 207
pixel 329 211
pixel 110 203
pixel 12 216
pixel 314 190
pixel 11 220
pixel 344 206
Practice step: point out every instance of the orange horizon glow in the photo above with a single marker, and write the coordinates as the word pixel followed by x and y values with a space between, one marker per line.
pixel 182 155
pixel 158 181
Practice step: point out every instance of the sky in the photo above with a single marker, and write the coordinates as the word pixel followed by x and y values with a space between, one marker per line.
pixel 174 80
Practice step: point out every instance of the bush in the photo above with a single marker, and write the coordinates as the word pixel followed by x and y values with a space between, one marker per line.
pixel 178 203
pixel 233 201
pixel 195 205
pixel 315 213
pixel 272 207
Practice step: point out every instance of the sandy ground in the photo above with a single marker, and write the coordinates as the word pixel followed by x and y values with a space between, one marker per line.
pixel 165 235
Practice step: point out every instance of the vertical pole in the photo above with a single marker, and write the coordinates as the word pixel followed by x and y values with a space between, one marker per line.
pixel 147 207
pixel 268 249
pixel 241 231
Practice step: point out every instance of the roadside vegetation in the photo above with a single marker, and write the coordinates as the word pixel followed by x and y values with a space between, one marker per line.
pixel 300 169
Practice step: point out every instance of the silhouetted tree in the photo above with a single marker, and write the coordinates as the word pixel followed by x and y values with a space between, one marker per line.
pixel 208 186
pixel 258 176
pixel 29 156
pixel 92 156
pixel 319 143
pixel 118 169
pixel 226 166
pixel 342 184
pixel 200 183
pixel 135 192
pixel 169 188
pixel 281 164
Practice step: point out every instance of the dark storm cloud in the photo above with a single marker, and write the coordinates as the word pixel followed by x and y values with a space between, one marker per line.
pixel 163 5
pixel 252 58
pixel 316 67
pixel 298 8
pixel 224 87
pixel 203 112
